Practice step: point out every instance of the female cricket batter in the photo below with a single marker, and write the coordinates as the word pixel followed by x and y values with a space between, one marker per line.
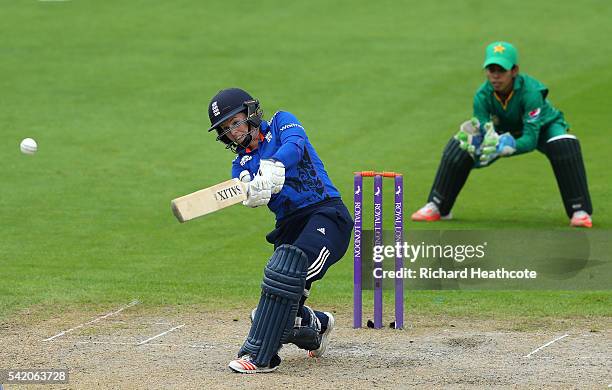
pixel 313 226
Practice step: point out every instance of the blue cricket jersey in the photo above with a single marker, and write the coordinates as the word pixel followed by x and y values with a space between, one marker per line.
pixel 306 182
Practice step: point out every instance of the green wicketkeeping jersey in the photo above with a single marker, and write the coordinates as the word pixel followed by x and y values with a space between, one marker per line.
pixel 524 113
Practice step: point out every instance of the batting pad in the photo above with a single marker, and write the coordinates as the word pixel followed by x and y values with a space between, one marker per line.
pixel 281 291
pixel 453 171
pixel 565 157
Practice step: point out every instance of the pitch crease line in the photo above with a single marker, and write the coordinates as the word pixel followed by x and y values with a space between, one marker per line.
pixel 160 335
pixel 104 342
pixel 546 345
pixel 133 303
pixel 150 344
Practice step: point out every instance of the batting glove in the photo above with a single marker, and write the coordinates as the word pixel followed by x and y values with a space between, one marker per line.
pixel 469 137
pixel 272 174
pixel 257 195
pixel 495 145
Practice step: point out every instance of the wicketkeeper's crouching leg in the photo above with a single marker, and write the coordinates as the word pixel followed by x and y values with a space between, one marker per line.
pixel 281 292
pixel 453 171
pixel 565 157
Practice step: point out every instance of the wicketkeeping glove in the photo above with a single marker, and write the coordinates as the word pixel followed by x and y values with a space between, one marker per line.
pixel 469 137
pixel 495 145
pixel 272 174
pixel 257 195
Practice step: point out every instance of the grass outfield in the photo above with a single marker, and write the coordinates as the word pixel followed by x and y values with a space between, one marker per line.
pixel 115 93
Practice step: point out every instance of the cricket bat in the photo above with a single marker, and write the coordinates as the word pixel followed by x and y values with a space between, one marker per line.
pixel 209 200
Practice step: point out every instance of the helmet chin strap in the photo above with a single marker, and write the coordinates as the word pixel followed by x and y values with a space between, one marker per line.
pixel 246 140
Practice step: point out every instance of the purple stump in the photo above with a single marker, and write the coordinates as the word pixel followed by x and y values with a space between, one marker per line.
pixel 399 261
pixel 357 296
pixel 378 240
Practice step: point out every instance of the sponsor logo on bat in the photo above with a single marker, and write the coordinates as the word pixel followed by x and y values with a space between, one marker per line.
pixel 228 193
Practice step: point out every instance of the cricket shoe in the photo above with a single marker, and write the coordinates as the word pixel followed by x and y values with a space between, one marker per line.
pixel 430 213
pixel 245 365
pixel 581 219
pixel 324 337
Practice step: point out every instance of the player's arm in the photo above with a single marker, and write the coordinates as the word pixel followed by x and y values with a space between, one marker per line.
pixel 532 122
pixel 236 167
pixel 270 177
pixel 292 137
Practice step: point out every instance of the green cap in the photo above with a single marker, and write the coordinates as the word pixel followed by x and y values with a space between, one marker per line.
pixel 502 54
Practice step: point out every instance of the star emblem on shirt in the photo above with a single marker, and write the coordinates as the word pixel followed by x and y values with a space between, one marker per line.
pixel 499 48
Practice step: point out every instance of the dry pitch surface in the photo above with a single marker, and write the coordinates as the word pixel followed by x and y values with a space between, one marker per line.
pixel 131 346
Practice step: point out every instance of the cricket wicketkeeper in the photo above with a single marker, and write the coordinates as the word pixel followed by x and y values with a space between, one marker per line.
pixel 512 115
pixel 313 227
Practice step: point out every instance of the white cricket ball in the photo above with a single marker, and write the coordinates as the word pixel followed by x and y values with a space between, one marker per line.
pixel 28 146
